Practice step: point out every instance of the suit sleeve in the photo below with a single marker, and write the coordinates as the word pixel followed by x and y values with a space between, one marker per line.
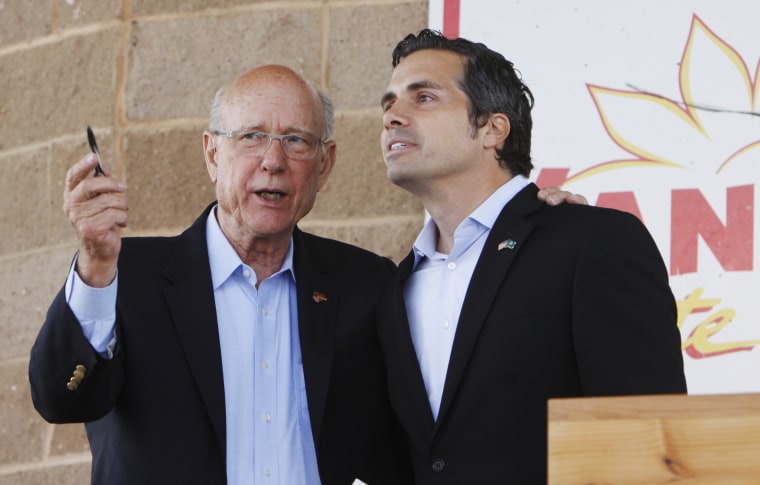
pixel 69 381
pixel 624 313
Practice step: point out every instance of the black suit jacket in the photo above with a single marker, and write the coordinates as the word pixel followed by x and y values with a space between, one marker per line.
pixel 155 414
pixel 580 306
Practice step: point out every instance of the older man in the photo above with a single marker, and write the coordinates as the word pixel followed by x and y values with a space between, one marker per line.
pixel 242 350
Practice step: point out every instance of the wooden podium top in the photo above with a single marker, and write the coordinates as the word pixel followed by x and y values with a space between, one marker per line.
pixel 665 439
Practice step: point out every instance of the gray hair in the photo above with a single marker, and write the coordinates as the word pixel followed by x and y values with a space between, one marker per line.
pixel 328 112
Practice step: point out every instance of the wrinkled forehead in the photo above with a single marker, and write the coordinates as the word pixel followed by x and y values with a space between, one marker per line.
pixel 273 104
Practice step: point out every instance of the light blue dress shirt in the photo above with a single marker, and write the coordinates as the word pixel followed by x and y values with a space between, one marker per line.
pixel 436 288
pixel 269 437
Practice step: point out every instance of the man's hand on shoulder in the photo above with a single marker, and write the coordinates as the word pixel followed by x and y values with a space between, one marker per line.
pixel 557 196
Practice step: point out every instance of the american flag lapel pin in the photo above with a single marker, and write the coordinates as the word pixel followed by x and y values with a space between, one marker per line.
pixel 507 244
pixel 318 297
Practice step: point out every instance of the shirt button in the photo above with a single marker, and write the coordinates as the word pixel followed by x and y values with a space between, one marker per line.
pixel 265 364
pixel 247 273
pixel 264 311
pixel 267 418
pixel 452 266
pixel 445 324
pixel 438 465
pixel 267 472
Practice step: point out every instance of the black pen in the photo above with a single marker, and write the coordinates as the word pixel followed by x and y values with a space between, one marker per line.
pixel 94 147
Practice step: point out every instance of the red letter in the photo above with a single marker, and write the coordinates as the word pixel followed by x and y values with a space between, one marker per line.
pixel 552 177
pixel 731 244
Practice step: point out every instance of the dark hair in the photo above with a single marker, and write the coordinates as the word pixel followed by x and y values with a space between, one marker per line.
pixel 492 85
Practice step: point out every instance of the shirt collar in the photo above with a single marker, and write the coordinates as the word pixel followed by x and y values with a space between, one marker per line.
pixel 483 217
pixel 223 258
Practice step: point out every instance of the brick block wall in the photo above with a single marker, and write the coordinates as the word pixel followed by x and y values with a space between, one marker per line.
pixel 142 73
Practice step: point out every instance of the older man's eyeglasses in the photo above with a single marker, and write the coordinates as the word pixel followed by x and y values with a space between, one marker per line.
pixel 300 146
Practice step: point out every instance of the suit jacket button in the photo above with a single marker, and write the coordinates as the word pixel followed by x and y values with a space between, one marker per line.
pixel 438 465
pixel 76 377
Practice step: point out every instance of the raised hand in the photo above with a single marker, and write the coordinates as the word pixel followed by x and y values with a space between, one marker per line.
pixel 97 208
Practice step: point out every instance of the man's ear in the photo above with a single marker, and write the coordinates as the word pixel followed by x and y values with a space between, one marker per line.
pixel 326 163
pixel 497 130
pixel 209 152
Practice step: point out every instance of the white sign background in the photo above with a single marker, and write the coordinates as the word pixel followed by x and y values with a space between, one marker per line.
pixel 563 49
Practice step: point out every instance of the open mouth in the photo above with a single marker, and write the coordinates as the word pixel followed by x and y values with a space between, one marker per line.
pixel 268 195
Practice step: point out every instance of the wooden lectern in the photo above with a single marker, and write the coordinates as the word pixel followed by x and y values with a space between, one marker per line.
pixel 668 439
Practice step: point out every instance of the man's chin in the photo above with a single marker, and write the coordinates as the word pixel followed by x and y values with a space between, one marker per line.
pixel 400 177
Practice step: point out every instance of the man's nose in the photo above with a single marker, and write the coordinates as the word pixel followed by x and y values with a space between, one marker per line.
pixel 274 158
pixel 395 115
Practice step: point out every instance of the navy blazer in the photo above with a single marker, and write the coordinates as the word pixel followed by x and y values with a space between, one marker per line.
pixel 155 413
pixel 576 302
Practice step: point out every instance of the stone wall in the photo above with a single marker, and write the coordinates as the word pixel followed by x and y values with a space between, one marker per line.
pixel 142 73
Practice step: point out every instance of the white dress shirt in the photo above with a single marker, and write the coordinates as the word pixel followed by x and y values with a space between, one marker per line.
pixel 436 288
pixel 269 437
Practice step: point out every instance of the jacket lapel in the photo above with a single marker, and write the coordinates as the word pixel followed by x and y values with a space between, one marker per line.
pixel 318 299
pixel 412 403
pixel 509 233
pixel 190 298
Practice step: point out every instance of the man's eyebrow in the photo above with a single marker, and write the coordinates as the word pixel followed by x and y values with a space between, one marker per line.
pixel 415 86
pixel 288 129
pixel 389 96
